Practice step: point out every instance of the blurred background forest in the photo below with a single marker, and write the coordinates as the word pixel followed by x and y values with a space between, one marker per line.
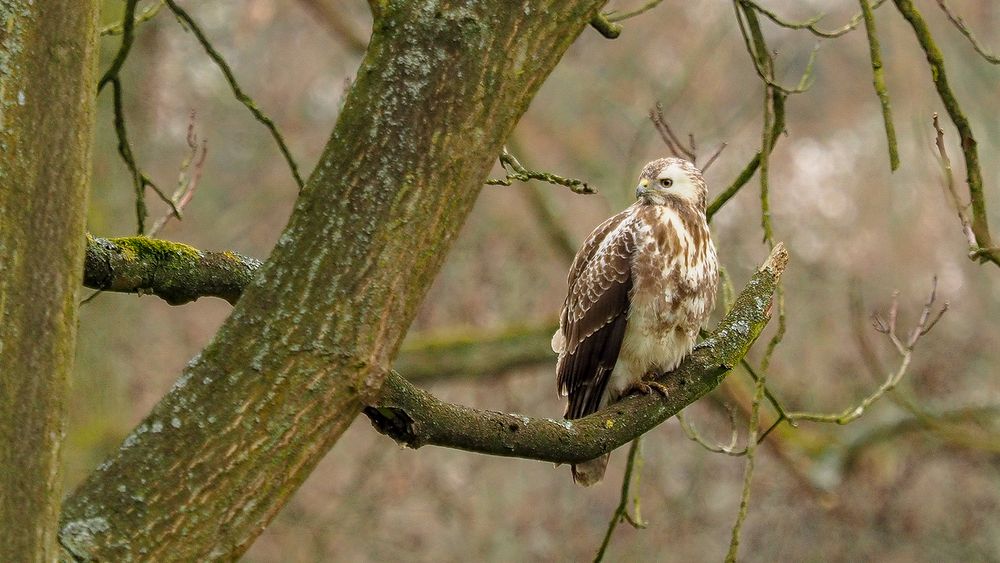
pixel 887 487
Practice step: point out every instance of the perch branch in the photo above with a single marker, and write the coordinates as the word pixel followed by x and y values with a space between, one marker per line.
pixel 414 418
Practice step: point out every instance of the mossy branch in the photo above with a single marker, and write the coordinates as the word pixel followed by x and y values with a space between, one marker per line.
pixel 173 271
pixel 935 60
pixel 415 418
pixel 878 79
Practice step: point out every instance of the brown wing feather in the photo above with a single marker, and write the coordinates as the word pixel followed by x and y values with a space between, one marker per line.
pixel 594 315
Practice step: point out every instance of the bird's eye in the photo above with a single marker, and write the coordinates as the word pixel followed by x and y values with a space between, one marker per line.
pixel 666 182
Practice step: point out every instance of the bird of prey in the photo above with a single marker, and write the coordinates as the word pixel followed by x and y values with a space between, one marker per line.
pixel 640 289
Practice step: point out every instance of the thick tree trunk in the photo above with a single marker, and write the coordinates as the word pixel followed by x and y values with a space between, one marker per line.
pixel 47 79
pixel 310 341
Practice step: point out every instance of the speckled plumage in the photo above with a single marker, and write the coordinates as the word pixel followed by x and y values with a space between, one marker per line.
pixel 640 288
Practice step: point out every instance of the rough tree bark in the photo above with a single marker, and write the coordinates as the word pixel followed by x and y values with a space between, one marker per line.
pixel 47 78
pixel 310 341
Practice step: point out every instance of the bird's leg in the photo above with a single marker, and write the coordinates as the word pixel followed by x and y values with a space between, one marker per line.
pixel 647 385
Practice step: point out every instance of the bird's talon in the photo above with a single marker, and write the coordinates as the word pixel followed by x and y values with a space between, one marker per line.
pixel 660 388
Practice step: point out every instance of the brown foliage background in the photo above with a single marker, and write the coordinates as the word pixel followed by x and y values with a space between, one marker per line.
pixel 854 230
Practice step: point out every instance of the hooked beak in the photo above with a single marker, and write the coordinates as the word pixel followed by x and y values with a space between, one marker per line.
pixel 642 189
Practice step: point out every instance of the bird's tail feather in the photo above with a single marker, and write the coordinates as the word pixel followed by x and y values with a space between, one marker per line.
pixel 590 472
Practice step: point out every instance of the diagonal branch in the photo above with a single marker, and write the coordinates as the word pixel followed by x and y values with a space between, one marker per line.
pixel 980 225
pixel 415 418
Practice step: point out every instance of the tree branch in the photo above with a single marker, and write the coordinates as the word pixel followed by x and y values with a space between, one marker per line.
pixel 974 178
pixel 415 418
pixel 173 271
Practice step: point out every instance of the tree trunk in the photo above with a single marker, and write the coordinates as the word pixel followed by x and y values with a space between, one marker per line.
pixel 47 55
pixel 310 341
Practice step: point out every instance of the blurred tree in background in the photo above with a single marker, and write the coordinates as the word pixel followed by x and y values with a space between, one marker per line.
pixel 831 148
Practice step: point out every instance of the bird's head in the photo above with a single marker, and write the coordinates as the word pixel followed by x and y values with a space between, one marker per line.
pixel 671 180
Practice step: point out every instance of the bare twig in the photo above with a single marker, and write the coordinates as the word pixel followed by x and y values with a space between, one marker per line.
pixel 980 223
pixel 951 192
pixel 621 512
pixel 238 92
pixel 669 137
pixel 964 29
pixel 746 17
pixel 673 142
pixel 810 24
pixel 146 15
pixel 751 450
pixel 139 179
pixel 728 449
pixel 615 17
pixel 904 346
pixel 778 126
pixel 515 171
pixel 186 183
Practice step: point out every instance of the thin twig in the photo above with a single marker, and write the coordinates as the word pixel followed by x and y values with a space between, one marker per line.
pixel 746 17
pixel 615 17
pixel 810 24
pixel 621 512
pixel 949 188
pixel 673 142
pixel 728 449
pixel 905 349
pixel 515 171
pixel 238 92
pixel 669 137
pixel 186 183
pixel 751 450
pixel 964 29
pixel 139 180
pixel 146 15
pixel 128 24
pixel 744 177
pixel 878 79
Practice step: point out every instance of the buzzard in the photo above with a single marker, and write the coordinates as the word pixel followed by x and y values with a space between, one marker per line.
pixel 640 288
